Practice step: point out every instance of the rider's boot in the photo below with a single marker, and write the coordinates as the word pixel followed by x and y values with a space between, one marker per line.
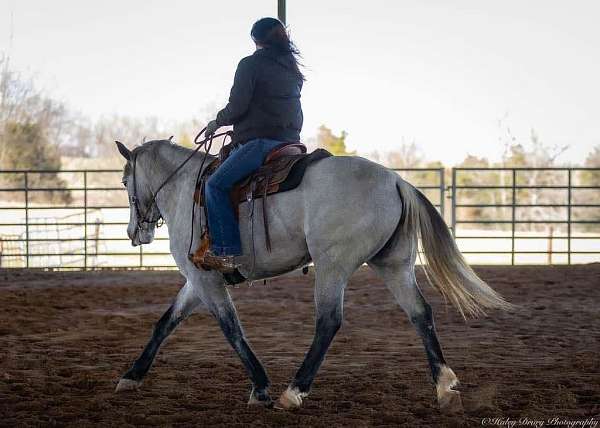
pixel 225 264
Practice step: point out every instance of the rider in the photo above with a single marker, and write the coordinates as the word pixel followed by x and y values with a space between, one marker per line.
pixel 264 109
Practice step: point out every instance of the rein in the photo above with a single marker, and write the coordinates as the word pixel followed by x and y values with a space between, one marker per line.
pixel 143 217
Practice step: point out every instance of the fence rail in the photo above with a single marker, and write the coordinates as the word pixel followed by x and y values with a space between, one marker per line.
pixel 77 218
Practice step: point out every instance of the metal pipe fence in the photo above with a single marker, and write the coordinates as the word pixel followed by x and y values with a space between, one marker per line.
pixel 70 219
pixel 76 219
pixel 555 207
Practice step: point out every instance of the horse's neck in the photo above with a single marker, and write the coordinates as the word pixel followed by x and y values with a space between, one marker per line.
pixel 164 160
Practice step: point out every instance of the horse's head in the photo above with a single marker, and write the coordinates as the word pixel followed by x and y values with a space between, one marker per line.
pixel 143 212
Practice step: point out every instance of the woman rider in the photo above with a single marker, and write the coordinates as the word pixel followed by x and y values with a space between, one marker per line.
pixel 264 109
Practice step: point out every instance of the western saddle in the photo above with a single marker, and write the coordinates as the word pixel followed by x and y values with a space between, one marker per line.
pixel 282 170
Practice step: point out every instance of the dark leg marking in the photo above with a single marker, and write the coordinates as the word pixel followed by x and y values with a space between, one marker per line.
pixel 327 326
pixel 232 329
pixel 425 327
pixel 165 326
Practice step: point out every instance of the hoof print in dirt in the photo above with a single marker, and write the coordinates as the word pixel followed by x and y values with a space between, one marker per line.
pixel 451 403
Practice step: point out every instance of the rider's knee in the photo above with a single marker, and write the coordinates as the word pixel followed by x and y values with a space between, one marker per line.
pixel 213 183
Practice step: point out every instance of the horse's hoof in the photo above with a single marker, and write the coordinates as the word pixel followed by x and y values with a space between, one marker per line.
pixel 290 399
pixel 448 399
pixel 128 385
pixel 253 401
pixel 260 399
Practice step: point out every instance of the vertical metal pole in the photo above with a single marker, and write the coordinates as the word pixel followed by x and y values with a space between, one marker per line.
pixel 26 220
pixel 569 218
pixel 550 245
pixel 513 203
pixel 141 256
pixel 85 220
pixel 97 240
pixel 453 202
pixel 281 10
pixel 442 190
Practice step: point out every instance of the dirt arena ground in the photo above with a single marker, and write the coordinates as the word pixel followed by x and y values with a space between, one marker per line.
pixel 66 337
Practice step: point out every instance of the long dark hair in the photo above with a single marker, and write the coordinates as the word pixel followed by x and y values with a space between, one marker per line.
pixel 272 34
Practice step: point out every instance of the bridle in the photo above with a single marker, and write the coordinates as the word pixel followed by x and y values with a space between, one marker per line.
pixel 144 221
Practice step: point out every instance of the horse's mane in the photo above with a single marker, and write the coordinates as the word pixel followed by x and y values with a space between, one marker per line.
pixel 154 146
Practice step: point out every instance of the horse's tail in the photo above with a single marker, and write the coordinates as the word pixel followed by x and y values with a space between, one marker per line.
pixel 445 268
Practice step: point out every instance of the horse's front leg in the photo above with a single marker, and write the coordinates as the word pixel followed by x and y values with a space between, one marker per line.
pixel 221 306
pixel 186 301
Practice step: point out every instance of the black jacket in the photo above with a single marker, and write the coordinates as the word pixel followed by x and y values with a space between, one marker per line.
pixel 265 99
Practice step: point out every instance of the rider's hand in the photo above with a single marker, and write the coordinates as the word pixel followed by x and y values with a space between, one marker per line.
pixel 211 128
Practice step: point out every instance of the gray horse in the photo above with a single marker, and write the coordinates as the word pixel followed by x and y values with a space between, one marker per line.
pixel 346 212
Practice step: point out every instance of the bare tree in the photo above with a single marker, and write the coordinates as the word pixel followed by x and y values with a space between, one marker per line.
pixel 408 155
pixel 21 102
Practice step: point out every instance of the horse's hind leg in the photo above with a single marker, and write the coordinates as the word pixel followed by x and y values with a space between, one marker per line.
pixel 329 296
pixel 399 278
pixel 185 302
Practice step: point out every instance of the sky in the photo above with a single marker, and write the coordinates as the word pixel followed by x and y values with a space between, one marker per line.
pixel 439 73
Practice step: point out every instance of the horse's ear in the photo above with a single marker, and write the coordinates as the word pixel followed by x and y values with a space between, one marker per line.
pixel 125 152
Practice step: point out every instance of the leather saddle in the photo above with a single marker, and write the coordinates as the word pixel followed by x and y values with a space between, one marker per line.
pixel 267 179
pixel 281 171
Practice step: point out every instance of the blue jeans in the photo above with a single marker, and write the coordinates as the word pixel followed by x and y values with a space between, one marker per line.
pixel 222 224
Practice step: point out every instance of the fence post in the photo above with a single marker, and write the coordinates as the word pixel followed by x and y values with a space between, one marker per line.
pixel 97 239
pixel 85 221
pixel 550 245
pixel 513 203
pixel 453 213
pixel 569 217
pixel 26 220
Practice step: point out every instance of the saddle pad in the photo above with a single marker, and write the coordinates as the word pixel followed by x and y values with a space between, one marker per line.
pixel 294 178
